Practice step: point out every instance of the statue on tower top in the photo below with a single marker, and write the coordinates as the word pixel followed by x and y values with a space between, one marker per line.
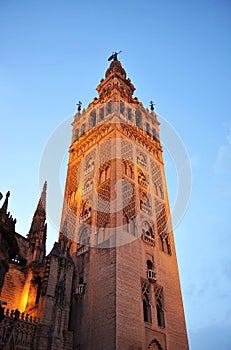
pixel 114 56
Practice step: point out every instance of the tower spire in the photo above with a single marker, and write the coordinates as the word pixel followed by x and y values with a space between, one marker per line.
pixel 38 230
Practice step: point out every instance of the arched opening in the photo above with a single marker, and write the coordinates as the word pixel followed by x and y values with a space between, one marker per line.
pixel 101 114
pixel 147 310
pixel 160 313
pixel 92 120
pixel 109 108
pixel 122 108
pixel 149 265
pixel 138 118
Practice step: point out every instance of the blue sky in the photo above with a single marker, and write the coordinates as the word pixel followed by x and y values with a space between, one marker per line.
pixel 54 53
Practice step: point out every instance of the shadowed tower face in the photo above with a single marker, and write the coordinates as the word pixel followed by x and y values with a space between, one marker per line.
pixel 126 289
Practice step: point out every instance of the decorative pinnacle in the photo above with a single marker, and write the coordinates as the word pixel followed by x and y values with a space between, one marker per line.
pixel 5 204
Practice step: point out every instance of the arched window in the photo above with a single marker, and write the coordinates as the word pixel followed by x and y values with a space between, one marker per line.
pixel 129 113
pixel 160 313
pixel 149 265
pixel 138 118
pixel 154 345
pixel 104 174
pixel 147 310
pixel 148 129
pixel 169 251
pixel 127 169
pixel 122 107
pixel 159 298
pixel 147 233
pixel 109 107
pixel 101 113
pixel 92 120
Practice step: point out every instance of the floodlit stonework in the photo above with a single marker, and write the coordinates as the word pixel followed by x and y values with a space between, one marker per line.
pixel 111 281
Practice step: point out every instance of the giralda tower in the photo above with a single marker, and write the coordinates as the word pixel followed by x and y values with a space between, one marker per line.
pixel 126 291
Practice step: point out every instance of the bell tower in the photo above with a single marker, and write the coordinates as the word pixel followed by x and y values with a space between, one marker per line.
pixel 126 288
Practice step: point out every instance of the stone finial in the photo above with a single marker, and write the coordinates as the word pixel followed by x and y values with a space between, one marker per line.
pixel 5 204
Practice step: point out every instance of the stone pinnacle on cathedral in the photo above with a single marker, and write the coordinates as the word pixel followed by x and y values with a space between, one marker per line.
pixel 39 217
pixel 5 203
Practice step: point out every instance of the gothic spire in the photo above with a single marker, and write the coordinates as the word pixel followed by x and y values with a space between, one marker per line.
pixel 38 229
pixel 5 203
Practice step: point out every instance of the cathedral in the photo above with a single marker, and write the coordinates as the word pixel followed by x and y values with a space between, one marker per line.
pixel 111 282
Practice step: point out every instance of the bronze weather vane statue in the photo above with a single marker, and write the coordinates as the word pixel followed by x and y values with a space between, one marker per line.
pixel 114 56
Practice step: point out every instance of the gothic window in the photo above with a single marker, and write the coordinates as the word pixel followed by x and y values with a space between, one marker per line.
pixel 159 299
pixel 147 233
pixel 129 113
pixel 160 314
pixel 154 134
pixel 128 170
pixel 130 225
pixel 138 119
pixel 101 113
pixel 162 243
pixel 147 311
pixel 149 265
pixel 168 246
pixel 92 120
pixel 154 345
pixel 122 107
pixel 104 175
pixel 109 107
pixel 148 129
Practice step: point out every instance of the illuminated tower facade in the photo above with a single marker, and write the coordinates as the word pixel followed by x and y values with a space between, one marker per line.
pixel 126 291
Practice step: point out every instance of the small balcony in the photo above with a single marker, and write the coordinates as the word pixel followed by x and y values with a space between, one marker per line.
pixel 151 275
pixel 79 290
